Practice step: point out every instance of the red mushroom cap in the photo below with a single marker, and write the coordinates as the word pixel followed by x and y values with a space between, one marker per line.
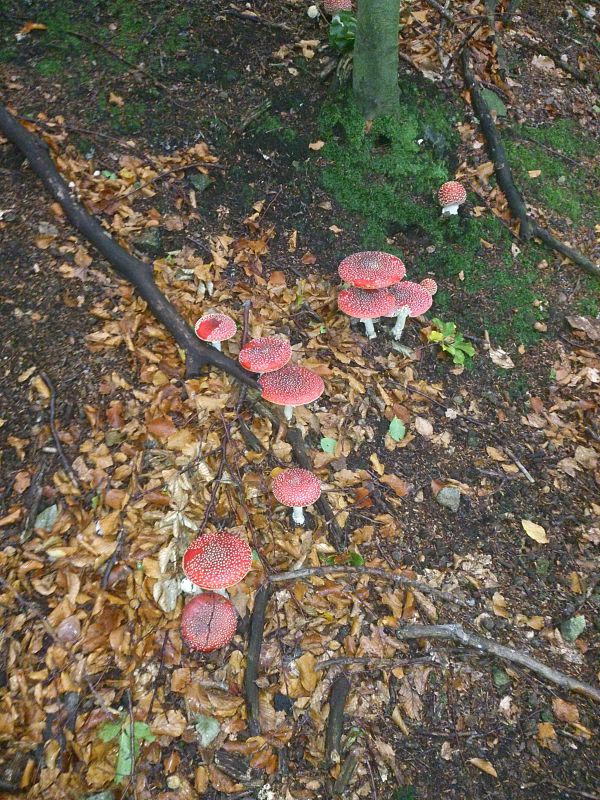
pixel 215 327
pixel 291 385
pixel 296 487
pixel 429 285
pixel 412 295
pixel 266 354
pixel 333 6
pixel 217 560
pixel 372 269
pixel 208 621
pixel 452 192
pixel 365 303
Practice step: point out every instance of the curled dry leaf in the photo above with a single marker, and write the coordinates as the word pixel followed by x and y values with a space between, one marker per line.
pixel 484 765
pixel 534 531
pixel 501 358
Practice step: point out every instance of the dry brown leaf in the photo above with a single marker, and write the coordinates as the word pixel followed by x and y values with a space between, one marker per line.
pixel 316 145
pixel 484 765
pixel 424 427
pixel 563 711
pixel 306 669
pixel 534 531
pixel 395 483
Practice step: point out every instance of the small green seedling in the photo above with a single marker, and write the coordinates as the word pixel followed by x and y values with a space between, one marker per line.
pixel 342 31
pixel 450 341
pixel 122 728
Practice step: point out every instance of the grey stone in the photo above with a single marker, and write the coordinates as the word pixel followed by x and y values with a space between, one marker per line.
pixel 449 497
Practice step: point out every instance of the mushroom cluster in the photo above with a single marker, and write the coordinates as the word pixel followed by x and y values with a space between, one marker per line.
pixel 377 289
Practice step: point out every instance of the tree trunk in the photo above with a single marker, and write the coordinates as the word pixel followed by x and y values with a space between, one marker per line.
pixel 375 69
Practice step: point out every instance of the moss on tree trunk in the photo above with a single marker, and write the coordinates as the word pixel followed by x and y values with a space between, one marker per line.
pixel 375 69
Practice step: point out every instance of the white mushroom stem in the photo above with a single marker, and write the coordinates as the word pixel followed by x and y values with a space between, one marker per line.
pixel 451 209
pixel 288 412
pixel 401 317
pixel 369 328
pixel 187 587
pixel 217 346
pixel 298 515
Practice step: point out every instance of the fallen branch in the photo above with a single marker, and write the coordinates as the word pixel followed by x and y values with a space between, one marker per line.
pixel 374 572
pixel 538 48
pixel 137 272
pixel 335 720
pixel 528 227
pixel 257 626
pixel 371 663
pixel 456 633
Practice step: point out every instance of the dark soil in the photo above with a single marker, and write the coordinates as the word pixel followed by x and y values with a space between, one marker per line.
pixel 221 72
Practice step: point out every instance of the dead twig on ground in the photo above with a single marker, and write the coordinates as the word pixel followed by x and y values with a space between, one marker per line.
pixel 528 226
pixel 456 633
pixel 59 448
pixel 374 572
pixel 536 47
pixel 255 639
pixel 34 496
pixel 335 720
pixel 371 663
pixel 247 17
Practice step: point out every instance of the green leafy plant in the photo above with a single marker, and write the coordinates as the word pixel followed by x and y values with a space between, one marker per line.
pixel 450 341
pixel 122 729
pixel 342 31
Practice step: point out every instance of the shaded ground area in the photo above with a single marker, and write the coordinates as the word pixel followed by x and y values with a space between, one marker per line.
pixel 269 222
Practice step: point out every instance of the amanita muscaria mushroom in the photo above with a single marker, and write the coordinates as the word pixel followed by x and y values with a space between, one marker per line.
pixel 335 6
pixel 208 621
pixel 366 305
pixel 411 300
pixel 429 285
pixel 217 560
pixel 371 269
pixel 215 328
pixel 266 354
pixel 297 488
pixel 291 386
pixel 451 195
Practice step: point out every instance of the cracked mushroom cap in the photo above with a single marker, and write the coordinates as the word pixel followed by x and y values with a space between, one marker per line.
pixel 296 487
pixel 266 354
pixel 452 192
pixel 413 295
pixel 366 303
pixel 215 327
pixel 208 621
pixel 371 269
pixel 217 560
pixel 335 6
pixel 429 285
pixel 291 385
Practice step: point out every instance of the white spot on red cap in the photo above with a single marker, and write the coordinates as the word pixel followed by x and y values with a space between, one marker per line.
pixel 296 487
pixel 217 560
pixel 371 269
pixel 266 354
pixel 215 327
pixel 366 303
pixel 292 385
pixel 413 295
pixel 208 621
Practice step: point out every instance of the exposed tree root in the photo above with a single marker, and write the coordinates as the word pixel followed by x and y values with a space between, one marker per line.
pixel 255 639
pixel 140 276
pixel 456 633
pixel 528 227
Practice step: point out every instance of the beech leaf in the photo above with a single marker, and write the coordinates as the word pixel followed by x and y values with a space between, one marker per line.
pixel 534 531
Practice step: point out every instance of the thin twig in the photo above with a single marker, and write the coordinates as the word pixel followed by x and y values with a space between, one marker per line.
pixel 372 663
pixel 536 47
pixel 516 460
pixel 456 633
pixel 68 468
pixel 373 572
pixel 267 23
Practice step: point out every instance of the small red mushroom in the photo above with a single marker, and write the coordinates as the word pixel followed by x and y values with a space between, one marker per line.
pixel 429 285
pixel 297 488
pixel 208 621
pixel 335 6
pixel 217 560
pixel 291 386
pixel 215 328
pixel 451 195
pixel 371 269
pixel 411 300
pixel 366 305
pixel 266 354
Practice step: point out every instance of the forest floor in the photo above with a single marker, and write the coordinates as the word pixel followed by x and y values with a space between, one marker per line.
pixel 210 145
